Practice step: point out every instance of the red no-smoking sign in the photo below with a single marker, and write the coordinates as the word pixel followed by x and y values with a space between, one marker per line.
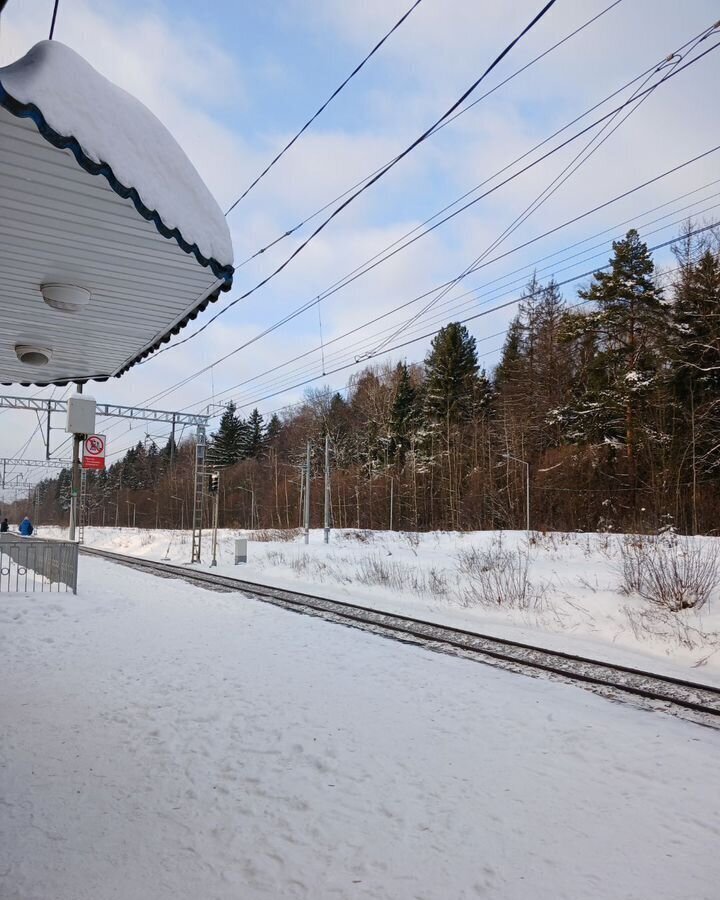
pixel 94 452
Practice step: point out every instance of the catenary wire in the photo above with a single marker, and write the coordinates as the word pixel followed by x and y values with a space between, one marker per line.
pixel 384 254
pixel 323 107
pixel 474 296
pixel 309 218
pixel 472 318
pixel 54 19
pixel 419 140
pixel 454 307
pixel 327 293
pixel 580 159
pixel 165 392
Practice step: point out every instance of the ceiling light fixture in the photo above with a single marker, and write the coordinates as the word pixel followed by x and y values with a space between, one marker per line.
pixel 33 356
pixel 66 297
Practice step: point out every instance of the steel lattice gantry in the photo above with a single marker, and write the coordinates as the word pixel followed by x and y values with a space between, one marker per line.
pixel 111 410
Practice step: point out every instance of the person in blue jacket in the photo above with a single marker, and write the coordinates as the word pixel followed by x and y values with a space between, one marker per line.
pixel 26 527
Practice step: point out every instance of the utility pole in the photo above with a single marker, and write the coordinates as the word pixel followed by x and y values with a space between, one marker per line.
pixel 326 518
pixel 307 495
pixel 302 488
pixel 75 484
pixel 392 498
pixel 172 443
pixel 47 431
pixel 527 488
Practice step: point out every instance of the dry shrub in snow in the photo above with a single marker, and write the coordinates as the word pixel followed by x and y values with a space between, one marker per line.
pixel 361 536
pixel 376 570
pixel 266 535
pixel 497 577
pixel 276 558
pixel 670 572
pixel 680 629
pixel 412 539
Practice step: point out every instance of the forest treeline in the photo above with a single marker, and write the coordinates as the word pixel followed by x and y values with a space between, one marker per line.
pixel 611 397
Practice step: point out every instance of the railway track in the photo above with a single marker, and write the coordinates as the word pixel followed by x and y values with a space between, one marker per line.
pixel 677 696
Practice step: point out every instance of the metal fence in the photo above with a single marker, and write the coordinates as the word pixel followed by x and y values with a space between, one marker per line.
pixel 36 564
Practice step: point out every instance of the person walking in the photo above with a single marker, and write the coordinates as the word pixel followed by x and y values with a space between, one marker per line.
pixel 26 527
pixel 4 526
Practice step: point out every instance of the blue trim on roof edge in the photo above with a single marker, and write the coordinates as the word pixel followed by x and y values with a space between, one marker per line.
pixel 31 111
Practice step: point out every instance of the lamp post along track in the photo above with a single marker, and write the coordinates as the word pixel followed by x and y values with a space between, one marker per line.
pixel 679 696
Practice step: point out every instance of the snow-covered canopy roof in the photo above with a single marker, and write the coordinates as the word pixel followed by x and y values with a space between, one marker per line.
pixel 99 206
pixel 113 128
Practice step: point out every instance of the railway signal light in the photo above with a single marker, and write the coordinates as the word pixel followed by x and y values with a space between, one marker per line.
pixel 214 482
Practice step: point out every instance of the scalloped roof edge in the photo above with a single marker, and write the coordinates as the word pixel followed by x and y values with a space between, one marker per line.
pixel 223 273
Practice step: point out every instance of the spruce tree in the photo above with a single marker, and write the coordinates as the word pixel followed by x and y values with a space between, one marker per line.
pixel 404 414
pixel 451 375
pixel 274 427
pixel 228 443
pixel 628 326
pixel 695 335
pixel 255 436
pixel 512 361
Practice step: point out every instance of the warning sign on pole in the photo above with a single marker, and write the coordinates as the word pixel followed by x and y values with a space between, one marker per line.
pixel 94 452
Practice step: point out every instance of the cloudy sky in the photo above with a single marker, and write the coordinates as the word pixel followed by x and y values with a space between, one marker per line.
pixel 234 80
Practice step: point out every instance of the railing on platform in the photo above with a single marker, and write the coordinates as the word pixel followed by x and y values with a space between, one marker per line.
pixel 36 564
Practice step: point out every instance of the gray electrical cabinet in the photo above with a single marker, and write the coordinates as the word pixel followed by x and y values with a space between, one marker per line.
pixel 240 550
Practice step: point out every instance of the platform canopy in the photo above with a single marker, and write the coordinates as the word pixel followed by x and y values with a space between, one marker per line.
pixel 110 242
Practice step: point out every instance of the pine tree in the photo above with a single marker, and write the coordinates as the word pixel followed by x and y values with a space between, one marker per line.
pixel 694 346
pixel 628 327
pixel 695 336
pixel 625 327
pixel 153 463
pixel 255 436
pixel 229 443
pixel 63 487
pixel 274 427
pixel 512 362
pixel 404 415
pixel 451 375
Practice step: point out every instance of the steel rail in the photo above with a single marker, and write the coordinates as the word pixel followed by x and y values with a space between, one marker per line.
pixel 608 677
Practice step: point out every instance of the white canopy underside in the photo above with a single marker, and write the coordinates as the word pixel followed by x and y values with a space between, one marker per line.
pixel 59 224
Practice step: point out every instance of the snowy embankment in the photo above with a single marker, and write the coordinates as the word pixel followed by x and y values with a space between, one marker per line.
pixel 162 742
pixel 562 591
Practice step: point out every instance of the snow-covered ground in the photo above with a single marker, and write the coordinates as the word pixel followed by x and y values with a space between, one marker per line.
pixel 162 742
pixel 574 602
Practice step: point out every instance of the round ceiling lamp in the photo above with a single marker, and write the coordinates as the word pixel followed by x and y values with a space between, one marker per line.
pixel 32 355
pixel 66 297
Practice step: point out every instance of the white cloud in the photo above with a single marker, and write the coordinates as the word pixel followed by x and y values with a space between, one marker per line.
pixel 205 96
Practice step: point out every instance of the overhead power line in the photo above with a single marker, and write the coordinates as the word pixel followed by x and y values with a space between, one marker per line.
pixel 323 107
pixel 419 140
pixel 298 311
pixel 420 230
pixel 456 115
pixel 472 318
pixel 54 18
pixel 581 158
pixel 451 310
pixel 368 268
pixel 473 293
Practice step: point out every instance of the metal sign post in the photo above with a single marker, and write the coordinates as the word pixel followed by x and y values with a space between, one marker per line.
pixel 215 491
